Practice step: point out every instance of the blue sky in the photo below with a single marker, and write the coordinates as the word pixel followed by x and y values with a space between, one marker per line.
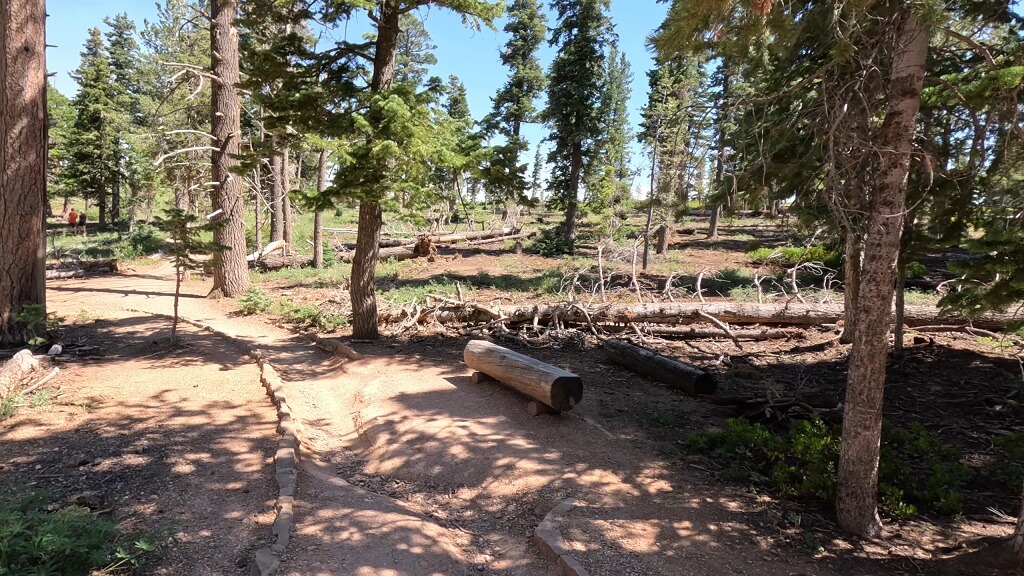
pixel 470 55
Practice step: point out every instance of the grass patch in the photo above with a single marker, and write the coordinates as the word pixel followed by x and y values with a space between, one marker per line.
pixel 920 298
pixel 417 292
pixel 303 276
pixel 306 316
pixel 9 407
pixel 916 467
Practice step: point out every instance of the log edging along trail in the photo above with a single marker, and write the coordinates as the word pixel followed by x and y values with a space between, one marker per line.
pixel 548 538
pixel 266 560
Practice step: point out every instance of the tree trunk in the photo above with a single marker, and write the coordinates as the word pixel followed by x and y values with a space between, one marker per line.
pixel 572 203
pixel 663 234
pixel 115 203
pixel 716 211
pixel 1018 535
pixel 230 270
pixel 286 202
pixel 853 254
pixel 101 204
pixel 277 192
pixel 23 145
pixel 318 216
pixel 857 479
pixel 364 262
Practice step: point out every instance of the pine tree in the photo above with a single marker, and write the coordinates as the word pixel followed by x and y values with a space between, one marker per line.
pixel 61 116
pixel 574 114
pixel 93 143
pixel 22 165
pixel 126 96
pixel 230 269
pixel 513 105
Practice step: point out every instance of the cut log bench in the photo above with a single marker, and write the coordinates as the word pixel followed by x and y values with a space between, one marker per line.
pixel 551 389
pixel 679 375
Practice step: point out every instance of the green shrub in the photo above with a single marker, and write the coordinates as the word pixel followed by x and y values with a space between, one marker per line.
pixel 794 255
pixel 9 407
pixel 254 301
pixel 145 238
pixel 38 322
pixel 916 468
pixel 916 270
pixel 69 541
pixel 550 242
pixel 305 316
pixel 1011 471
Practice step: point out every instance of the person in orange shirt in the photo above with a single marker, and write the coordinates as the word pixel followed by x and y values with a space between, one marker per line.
pixel 72 218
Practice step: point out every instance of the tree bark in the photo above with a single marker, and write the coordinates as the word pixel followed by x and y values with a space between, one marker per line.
pixel 857 479
pixel 115 203
pixel 286 202
pixel 364 261
pixel 1018 535
pixel 230 270
pixel 716 211
pixel 664 235
pixel 853 255
pixel 23 146
pixel 572 203
pixel 276 193
pixel 318 216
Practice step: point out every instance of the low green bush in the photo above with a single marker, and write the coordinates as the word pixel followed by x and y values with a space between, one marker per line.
pixel 550 242
pixel 70 541
pixel 305 316
pixel 794 255
pixel 254 301
pixel 916 270
pixel 916 467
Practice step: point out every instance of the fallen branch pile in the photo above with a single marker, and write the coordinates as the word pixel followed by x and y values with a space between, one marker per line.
pixel 678 313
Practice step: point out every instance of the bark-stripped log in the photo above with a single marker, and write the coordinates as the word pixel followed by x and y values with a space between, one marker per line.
pixel 679 375
pixel 784 314
pixel 556 388
pixel 81 269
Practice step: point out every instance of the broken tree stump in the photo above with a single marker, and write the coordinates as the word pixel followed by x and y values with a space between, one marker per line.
pixel 557 389
pixel 663 235
pixel 679 375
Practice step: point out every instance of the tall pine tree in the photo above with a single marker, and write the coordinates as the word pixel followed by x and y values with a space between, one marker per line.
pixel 575 90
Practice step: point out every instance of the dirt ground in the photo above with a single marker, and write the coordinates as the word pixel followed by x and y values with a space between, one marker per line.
pixel 172 442
pixel 412 469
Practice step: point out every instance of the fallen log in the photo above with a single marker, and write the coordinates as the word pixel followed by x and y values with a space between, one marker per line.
pixel 520 236
pixel 279 262
pixel 267 251
pixel 552 386
pixel 781 314
pixel 698 332
pixel 81 269
pixel 679 375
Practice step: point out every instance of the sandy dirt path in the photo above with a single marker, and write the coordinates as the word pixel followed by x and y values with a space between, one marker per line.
pixel 417 471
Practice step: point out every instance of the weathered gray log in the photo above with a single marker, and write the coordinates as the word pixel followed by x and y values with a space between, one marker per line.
pixel 781 314
pixel 679 375
pixel 81 269
pixel 697 332
pixel 274 262
pixel 554 387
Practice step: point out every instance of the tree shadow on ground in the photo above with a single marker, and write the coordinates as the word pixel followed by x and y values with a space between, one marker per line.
pixel 477 439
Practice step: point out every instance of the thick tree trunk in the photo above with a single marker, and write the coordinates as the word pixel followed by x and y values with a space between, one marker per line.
pixel 101 204
pixel 364 262
pixel 23 144
pixel 276 193
pixel 318 216
pixel 364 265
pixel 857 480
pixel 286 202
pixel 716 212
pixel 1018 535
pixel 230 270
pixel 853 254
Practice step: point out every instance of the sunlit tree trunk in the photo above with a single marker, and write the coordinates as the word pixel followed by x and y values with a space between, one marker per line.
pixel 230 269
pixel 23 144
pixel 857 489
pixel 318 216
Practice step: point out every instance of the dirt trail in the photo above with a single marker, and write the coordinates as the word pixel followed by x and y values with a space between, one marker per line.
pixel 448 477
pixel 171 443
